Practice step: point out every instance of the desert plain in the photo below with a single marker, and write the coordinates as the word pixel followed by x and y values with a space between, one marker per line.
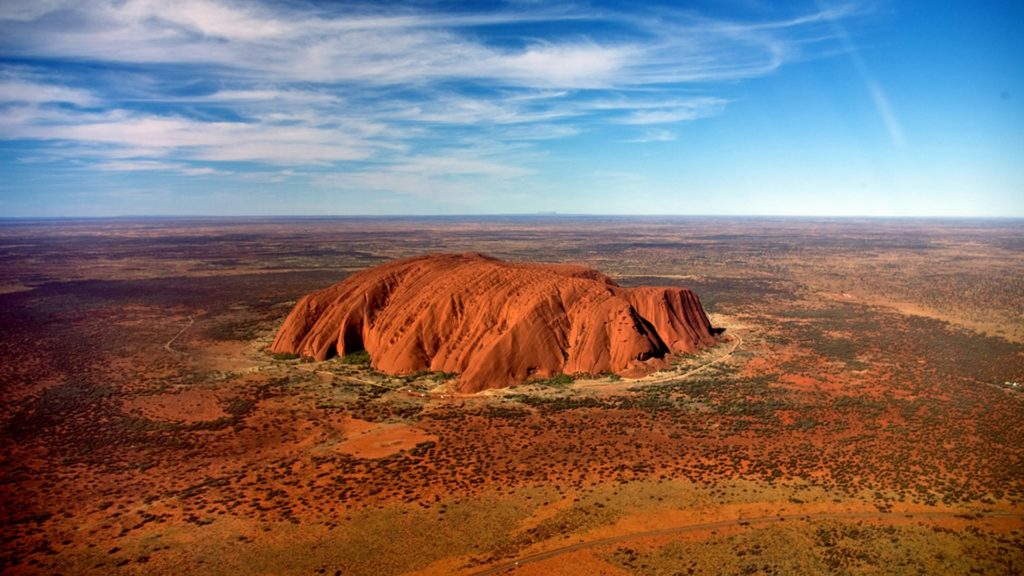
pixel 862 411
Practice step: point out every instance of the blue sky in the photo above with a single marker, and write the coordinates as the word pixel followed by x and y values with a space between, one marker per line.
pixel 210 107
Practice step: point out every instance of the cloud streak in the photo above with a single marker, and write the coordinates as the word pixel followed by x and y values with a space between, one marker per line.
pixel 874 89
pixel 17 90
pixel 366 97
pixel 250 40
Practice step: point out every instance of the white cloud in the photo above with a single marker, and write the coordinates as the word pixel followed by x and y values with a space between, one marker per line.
pixel 204 171
pixel 288 84
pixel 20 90
pixel 562 66
pixel 28 10
pixel 874 89
pixel 136 165
pixel 215 20
pixel 655 135
pixel 506 108
pixel 699 108
pixel 268 96
pixel 536 132
pixel 341 44
pixel 155 165
pixel 191 139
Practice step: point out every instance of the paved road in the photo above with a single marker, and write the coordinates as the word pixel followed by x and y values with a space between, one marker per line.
pixel 763 520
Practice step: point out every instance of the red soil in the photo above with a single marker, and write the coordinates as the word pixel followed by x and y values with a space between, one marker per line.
pixel 495 323
pixel 188 406
pixel 371 440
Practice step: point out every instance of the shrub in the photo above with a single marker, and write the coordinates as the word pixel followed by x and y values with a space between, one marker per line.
pixel 360 358
pixel 556 381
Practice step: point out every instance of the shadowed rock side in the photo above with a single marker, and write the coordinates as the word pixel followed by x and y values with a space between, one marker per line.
pixel 493 322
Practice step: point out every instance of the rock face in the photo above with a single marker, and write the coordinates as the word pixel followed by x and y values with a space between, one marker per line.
pixel 493 322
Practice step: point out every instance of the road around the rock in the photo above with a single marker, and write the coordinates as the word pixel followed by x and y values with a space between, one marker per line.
pixel 664 377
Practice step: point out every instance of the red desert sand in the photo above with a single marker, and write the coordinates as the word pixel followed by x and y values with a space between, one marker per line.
pixel 495 323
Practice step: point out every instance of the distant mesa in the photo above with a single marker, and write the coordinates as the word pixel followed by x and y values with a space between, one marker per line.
pixel 495 323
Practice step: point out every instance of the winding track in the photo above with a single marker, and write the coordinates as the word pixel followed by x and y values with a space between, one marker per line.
pixel 669 376
pixel 167 346
pixel 761 520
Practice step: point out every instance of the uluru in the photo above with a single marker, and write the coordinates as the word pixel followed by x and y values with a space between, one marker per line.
pixel 495 323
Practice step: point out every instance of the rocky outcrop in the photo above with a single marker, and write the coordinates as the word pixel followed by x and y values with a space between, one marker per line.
pixel 495 323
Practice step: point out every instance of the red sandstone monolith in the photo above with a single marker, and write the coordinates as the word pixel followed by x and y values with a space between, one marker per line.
pixel 495 323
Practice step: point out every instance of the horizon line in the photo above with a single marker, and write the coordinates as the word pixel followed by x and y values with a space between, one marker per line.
pixel 542 214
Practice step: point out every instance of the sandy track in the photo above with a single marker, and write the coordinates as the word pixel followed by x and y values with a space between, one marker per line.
pixel 745 522
pixel 664 377
pixel 672 377
pixel 167 346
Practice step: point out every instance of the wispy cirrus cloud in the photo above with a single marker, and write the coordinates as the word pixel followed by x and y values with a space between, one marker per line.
pixel 24 91
pixel 155 166
pixel 674 111
pixel 21 86
pixel 402 46
pixel 147 135
pixel 874 89
pixel 371 98
pixel 653 135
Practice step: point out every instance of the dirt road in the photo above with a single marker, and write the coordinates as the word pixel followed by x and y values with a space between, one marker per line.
pixel 167 346
pixel 663 377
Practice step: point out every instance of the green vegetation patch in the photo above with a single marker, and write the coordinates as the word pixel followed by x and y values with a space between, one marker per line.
pixel 557 381
pixel 360 358
pixel 437 377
